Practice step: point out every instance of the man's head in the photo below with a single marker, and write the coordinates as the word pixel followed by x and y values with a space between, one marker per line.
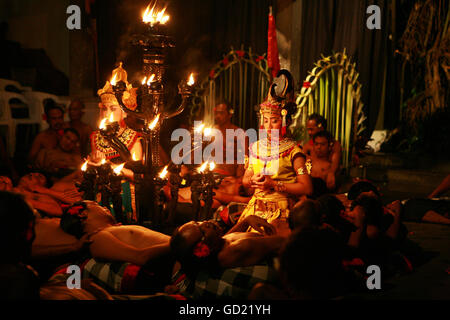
pixel 76 110
pixel 69 140
pixel 223 112
pixel 18 228
pixel 305 215
pixel 54 115
pixel 332 210
pixel 85 217
pixel 5 184
pixel 196 245
pixel 315 123
pixel 322 144
pixel 362 188
pixel 33 179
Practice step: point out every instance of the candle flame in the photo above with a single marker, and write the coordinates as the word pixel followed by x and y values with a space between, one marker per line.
pixel 153 124
pixel 103 161
pixel 117 170
pixel 102 124
pixel 113 80
pixel 212 165
pixel 84 166
pixel 207 132
pixel 143 81
pixel 199 128
pixel 191 80
pixel 153 16
pixel 203 167
pixel 150 80
pixel 111 117
pixel 163 173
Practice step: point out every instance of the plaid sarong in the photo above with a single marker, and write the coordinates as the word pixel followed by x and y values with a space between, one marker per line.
pixel 235 283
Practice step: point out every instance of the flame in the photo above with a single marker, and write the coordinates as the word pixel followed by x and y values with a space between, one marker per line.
pixel 199 128
pixel 84 166
pixel 207 132
pixel 143 81
pixel 111 117
pixel 134 156
pixel 150 80
pixel 102 125
pixel 152 125
pixel 117 170
pixel 113 80
pixel 212 165
pixel 153 16
pixel 163 173
pixel 191 80
pixel 103 161
pixel 203 167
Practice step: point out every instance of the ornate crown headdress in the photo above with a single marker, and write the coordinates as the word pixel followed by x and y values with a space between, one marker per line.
pixel 107 96
pixel 275 104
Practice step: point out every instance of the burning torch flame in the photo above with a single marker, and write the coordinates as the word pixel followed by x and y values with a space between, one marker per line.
pixel 212 165
pixel 203 167
pixel 103 161
pixel 199 128
pixel 152 125
pixel 134 156
pixel 113 80
pixel 191 80
pixel 102 125
pixel 152 16
pixel 150 80
pixel 143 81
pixel 207 132
pixel 163 173
pixel 84 166
pixel 111 118
pixel 117 170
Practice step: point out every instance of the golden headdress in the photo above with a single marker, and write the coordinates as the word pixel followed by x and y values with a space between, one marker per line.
pixel 107 93
pixel 275 104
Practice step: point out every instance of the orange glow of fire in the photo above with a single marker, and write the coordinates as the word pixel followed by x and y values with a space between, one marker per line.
pixel 117 170
pixel 113 80
pixel 103 161
pixel 163 173
pixel 84 166
pixel 191 80
pixel 111 117
pixel 212 165
pixel 143 81
pixel 153 124
pixel 102 125
pixel 203 167
pixel 154 16
pixel 150 80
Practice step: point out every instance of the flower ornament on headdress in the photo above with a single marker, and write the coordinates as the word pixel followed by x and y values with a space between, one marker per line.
pixel 275 104
pixel 201 250
pixel 107 96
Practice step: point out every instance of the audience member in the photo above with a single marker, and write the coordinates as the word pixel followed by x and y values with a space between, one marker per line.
pixel 76 112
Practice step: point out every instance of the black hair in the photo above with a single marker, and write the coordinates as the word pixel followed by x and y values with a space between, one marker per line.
pixel 331 208
pixel 17 221
pixel 311 264
pixel 323 134
pixel 72 221
pixel 50 104
pixel 306 215
pixel 359 187
pixel 320 120
pixel 75 132
pixel 373 208
pixel 225 102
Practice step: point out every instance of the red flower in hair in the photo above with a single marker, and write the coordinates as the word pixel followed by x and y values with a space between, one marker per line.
pixel 75 210
pixel 306 84
pixel 201 250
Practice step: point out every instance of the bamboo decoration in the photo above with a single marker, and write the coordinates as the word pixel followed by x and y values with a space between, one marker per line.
pixel 332 90
pixel 242 78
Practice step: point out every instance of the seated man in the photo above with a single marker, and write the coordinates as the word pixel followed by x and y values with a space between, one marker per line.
pixel 48 139
pixel 315 124
pixel 203 246
pixel 76 111
pixel 64 157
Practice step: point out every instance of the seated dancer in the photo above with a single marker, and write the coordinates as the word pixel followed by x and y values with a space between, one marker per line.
pixel 63 159
pixel 223 112
pixel 100 147
pixel 276 177
pixel 76 112
pixel 315 124
pixel 204 246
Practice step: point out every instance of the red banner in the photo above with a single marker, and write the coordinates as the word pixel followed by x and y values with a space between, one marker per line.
pixel 272 47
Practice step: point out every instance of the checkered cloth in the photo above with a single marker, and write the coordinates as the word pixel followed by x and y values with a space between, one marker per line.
pixel 114 277
pixel 233 283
